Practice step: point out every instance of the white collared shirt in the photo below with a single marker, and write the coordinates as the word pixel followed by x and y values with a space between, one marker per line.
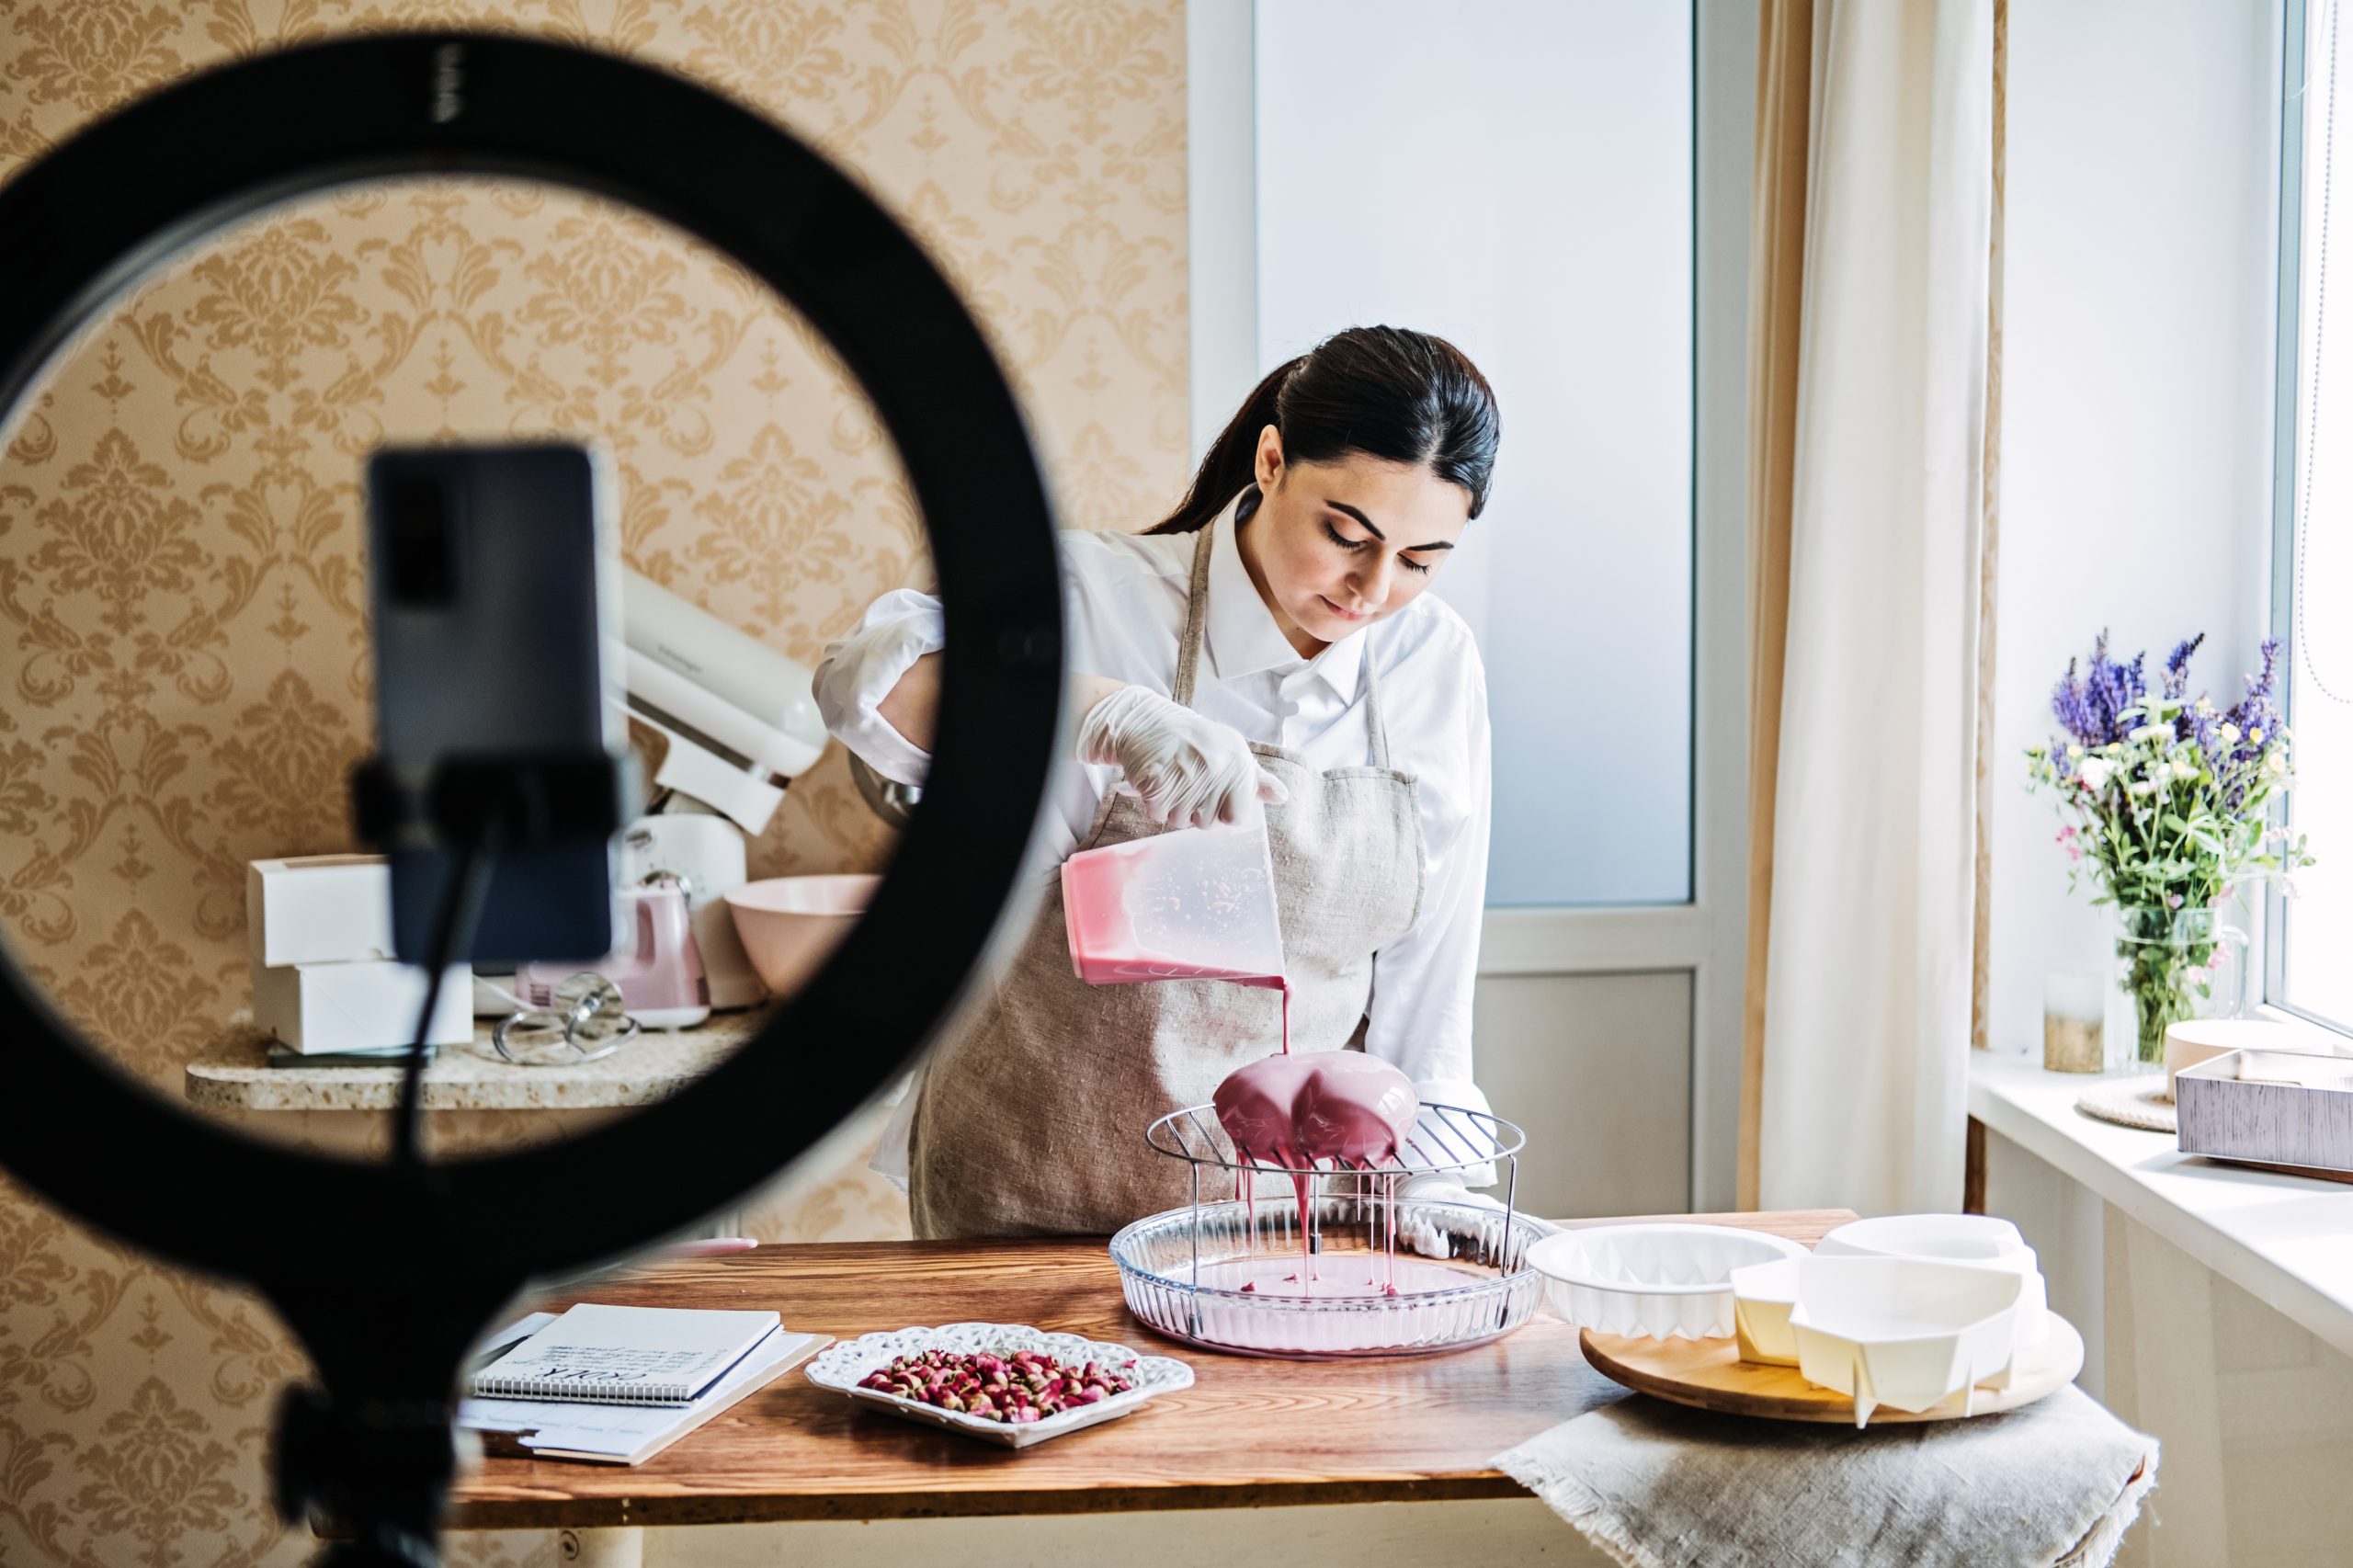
pixel 1124 600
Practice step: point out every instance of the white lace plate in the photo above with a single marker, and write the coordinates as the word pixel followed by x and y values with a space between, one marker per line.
pixel 841 1366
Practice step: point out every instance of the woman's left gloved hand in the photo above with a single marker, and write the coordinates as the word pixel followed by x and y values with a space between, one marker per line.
pixel 1189 771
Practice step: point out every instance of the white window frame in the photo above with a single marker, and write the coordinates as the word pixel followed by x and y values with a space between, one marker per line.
pixel 2287 416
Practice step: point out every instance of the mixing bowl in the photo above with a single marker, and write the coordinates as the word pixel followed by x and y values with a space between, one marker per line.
pixel 789 924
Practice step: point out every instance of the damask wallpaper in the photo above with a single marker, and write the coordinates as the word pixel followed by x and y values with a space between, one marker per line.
pixel 182 655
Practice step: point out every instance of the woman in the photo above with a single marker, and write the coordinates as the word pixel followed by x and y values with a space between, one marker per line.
pixel 1266 647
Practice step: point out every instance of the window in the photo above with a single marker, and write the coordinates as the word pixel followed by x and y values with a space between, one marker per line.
pixel 1517 177
pixel 2310 955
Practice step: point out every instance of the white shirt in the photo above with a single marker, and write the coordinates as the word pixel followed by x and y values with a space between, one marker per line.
pixel 1124 600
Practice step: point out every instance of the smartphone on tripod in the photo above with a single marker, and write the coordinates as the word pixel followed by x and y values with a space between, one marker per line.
pixel 495 587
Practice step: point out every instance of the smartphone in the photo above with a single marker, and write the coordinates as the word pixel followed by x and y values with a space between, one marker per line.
pixel 493 593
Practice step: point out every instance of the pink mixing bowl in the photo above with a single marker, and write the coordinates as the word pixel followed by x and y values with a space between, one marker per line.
pixel 789 924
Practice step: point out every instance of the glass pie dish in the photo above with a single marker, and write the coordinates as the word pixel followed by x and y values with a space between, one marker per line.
pixel 1226 1276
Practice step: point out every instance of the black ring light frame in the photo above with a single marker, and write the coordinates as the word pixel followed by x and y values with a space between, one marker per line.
pixel 425 1255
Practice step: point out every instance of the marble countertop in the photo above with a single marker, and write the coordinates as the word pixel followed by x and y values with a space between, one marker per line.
pixel 2286 1239
pixel 233 1073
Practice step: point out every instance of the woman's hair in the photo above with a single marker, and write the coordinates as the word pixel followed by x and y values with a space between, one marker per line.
pixel 1382 391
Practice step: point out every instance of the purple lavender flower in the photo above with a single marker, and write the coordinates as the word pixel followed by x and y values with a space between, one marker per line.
pixel 2176 682
pixel 2090 708
pixel 2256 717
pixel 2168 830
pixel 2072 704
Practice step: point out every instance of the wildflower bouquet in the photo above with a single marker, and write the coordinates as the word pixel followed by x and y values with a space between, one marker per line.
pixel 2164 802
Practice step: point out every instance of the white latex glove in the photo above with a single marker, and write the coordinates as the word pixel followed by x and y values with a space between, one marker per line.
pixel 1416 1230
pixel 1189 770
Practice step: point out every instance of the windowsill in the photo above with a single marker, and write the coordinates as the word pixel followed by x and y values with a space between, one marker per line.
pixel 2270 1014
pixel 2287 1240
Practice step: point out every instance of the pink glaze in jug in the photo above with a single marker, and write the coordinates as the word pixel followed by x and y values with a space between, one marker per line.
pixel 1196 904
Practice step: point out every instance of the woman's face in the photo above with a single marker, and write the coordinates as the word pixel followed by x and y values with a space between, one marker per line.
pixel 1337 546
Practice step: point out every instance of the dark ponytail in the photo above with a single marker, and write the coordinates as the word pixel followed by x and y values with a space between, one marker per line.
pixel 1382 391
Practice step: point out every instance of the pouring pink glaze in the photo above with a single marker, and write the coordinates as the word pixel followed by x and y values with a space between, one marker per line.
pixel 1294 1112
pixel 1355 1108
pixel 1185 906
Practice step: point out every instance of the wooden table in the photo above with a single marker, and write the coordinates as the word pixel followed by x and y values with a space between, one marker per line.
pixel 1249 1433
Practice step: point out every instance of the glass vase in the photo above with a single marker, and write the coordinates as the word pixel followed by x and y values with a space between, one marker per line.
pixel 2177 964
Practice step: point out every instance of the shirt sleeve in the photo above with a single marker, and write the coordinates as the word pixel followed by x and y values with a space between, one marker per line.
pixel 1423 981
pixel 860 670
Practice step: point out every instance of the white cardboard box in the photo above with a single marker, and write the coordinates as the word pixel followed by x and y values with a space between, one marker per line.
pixel 319 909
pixel 318 1007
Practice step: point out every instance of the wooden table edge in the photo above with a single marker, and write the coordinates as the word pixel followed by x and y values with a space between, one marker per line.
pixel 722 1510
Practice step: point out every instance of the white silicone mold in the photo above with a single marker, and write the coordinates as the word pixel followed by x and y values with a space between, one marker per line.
pixel 1906 1332
pixel 1981 1239
pixel 1762 1295
pixel 1654 1281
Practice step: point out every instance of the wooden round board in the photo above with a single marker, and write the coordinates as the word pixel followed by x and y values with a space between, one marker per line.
pixel 1709 1374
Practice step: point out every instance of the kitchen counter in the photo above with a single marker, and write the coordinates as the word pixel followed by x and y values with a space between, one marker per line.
pixel 233 1073
pixel 2286 1240
pixel 1250 1433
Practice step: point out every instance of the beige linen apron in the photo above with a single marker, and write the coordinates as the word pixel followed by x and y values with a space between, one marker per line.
pixel 1032 1121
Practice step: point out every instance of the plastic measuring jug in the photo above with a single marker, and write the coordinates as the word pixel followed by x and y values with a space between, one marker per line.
pixel 1193 903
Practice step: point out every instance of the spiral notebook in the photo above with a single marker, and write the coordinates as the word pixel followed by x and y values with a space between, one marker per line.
pixel 625 1354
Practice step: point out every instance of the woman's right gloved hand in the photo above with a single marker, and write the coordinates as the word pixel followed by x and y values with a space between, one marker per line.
pixel 1189 770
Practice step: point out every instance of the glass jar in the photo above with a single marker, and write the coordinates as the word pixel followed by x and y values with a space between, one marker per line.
pixel 2074 1023
pixel 2177 964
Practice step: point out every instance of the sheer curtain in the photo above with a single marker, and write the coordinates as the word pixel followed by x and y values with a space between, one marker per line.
pixel 1868 378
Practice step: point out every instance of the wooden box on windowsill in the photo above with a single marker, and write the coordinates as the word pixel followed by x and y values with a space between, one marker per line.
pixel 2284 1109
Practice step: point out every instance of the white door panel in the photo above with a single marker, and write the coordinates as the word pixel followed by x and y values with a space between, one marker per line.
pixel 1598 1069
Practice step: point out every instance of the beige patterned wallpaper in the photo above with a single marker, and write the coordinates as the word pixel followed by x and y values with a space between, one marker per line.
pixel 182 658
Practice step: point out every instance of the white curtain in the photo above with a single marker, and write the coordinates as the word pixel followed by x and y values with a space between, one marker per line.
pixel 1867 984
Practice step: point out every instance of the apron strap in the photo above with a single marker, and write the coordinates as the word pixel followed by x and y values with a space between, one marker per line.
pixel 1188 650
pixel 1197 608
pixel 1374 725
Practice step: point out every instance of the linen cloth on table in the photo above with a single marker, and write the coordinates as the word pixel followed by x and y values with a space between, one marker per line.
pixel 1657 1485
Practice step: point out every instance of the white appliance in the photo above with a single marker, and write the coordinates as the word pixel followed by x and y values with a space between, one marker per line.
pixel 740 721
pixel 726 722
